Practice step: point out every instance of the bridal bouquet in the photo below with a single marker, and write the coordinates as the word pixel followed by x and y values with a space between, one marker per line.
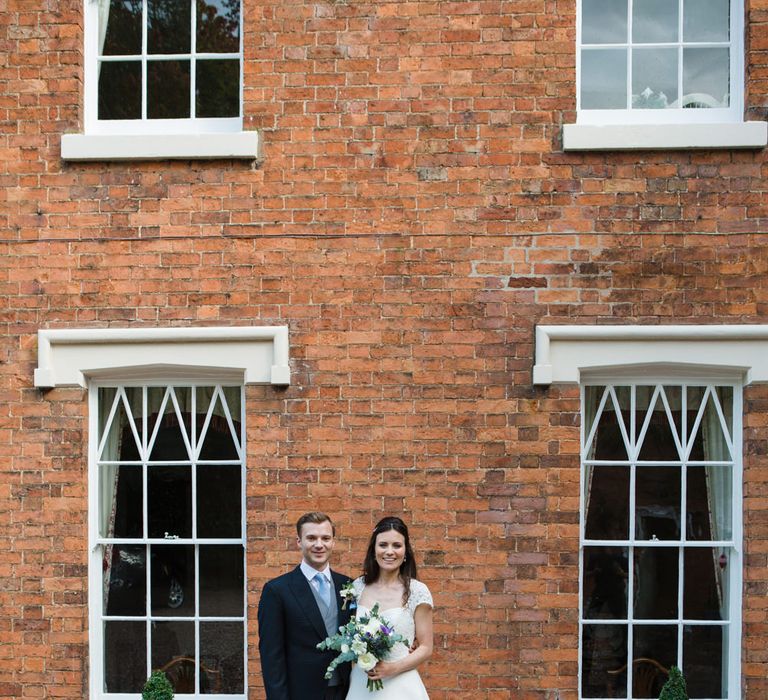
pixel 365 640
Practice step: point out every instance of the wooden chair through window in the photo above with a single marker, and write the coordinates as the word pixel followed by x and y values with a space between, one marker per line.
pixel 648 677
pixel 181 673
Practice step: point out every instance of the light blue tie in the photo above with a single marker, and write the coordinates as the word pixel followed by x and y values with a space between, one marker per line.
pixel 323 589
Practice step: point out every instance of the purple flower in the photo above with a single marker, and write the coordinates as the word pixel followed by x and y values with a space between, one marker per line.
pixel 386 630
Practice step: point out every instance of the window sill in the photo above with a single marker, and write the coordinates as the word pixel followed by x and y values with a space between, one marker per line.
pixel 635 137
pixel 94 147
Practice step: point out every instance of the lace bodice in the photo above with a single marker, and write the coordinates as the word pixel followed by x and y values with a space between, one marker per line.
pixel 401 618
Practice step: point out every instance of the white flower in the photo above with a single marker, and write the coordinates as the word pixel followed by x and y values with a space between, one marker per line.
pixel 344 648
pixel 373 626
pixel 359 647
pixel 367 661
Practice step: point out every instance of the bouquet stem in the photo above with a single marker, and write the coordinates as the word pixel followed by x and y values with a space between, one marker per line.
pixel 378 684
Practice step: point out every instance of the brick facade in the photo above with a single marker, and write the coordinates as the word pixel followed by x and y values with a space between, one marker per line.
pixel 412 219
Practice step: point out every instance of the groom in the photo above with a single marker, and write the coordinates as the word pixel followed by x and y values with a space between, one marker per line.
pixel 297 611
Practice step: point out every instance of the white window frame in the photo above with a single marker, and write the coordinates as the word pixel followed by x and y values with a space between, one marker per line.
pixel 635 129
pixel 97 544
pixel 150 139
pixel 672 376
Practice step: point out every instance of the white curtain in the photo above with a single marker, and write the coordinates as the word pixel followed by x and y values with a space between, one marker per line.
pixel 103 19
pixel 108 475
pixel 718 488
pixel 592 396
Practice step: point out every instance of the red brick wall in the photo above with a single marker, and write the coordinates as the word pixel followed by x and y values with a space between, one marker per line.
pixel 412 219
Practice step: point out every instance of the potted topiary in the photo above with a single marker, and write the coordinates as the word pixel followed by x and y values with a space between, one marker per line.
pixel 157 687
pixel 674 688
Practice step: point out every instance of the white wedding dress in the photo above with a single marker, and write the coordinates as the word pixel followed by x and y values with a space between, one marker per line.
pixel 405 686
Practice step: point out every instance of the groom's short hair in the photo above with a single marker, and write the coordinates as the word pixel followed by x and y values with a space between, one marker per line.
pixel 315 517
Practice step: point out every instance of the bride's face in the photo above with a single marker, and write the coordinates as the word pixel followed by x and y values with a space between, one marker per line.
pixel 390 550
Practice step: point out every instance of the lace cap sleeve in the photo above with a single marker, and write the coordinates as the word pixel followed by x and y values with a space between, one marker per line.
pixel 357 586
pixel 419 595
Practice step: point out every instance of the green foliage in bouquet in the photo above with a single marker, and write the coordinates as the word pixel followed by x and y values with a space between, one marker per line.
pixel 365 640
pixel 157 687
pixel 674 688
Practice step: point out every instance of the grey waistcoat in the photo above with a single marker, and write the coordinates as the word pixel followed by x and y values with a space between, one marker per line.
pixel 330 615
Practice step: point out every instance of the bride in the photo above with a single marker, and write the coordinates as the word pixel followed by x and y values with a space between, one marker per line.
pixel 389 579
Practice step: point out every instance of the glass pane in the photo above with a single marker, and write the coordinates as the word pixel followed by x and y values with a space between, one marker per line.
pixel 709 442
pixel 710 503
pixel 592 397
pixel 654 78
pixel 603 21
pixel 120 502
pixel 122 35
pixel 607 503
pixel 655 650
pixel 168 89
pixel 217 89
pixel 173 651
pixel 605 583
pixel 656 570
pixel 221 580
pixel 658 440
pixel 106 399
pixel 604 661
pixel 221 654
pixel 705 78
pixel 604 79
pixel 654 21
pixel 219 501
pixel 125 579
pixel 657 503
pixel 705 20
pixel 705 588
pixel 704 661
pixel 218 26
pixel 725 396
pixel 169 26
pixel 674 396
pixel 173 580
pixel 217 441
pixel 609 440
pixel 169 501
pixel 169 441
pixel 121 443
pixel 125 656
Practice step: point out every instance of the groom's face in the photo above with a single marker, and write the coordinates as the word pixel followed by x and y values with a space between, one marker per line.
pixel 316 544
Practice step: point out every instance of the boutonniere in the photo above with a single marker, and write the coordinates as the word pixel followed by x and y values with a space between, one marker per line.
pixel 347 594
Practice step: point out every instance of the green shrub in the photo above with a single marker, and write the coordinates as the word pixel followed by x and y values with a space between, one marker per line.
pixel 674 688
pixel 157 687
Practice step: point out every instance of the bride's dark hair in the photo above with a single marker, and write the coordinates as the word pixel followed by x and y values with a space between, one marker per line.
pixel 371 569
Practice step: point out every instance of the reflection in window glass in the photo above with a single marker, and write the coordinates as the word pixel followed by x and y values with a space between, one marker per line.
pixel 603 21
pixel 169 26
pixel 125 656
pixel 706 20
pixel 663 73
pixel 169 574
pixel 168 89
pixel 218 26
pixel 159 29
pixel 604 79
pixel 670 573
pixel 120 90
pixel 122 35
pixel 221 654
pixel 218 88
pixel 654 21
pixel 705 77
pixel 654 78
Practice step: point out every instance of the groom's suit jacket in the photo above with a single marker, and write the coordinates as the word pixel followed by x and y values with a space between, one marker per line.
pixel 290 628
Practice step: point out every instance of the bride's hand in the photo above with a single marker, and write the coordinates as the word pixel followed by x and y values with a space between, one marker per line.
pixel 382 670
